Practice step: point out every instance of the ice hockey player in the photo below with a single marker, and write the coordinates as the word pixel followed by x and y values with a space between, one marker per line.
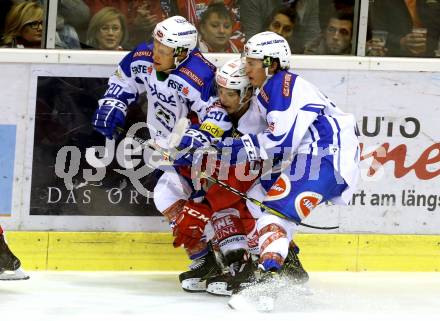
pixel 316 140
pixel 176 79
pixel 9 263
pixel 233 114
pixel 170 71
pixel 234 227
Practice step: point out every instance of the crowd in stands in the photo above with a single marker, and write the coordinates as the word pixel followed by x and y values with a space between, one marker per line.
pixel 314 27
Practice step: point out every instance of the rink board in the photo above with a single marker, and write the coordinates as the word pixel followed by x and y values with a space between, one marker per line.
pixel 116 251
pixel 394 100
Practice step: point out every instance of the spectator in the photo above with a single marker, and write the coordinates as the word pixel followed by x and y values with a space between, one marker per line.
pixel 329 7
pixel 216 30
pixel 66 36
pixel 73 16
pixel 336 38
pixel 107 29
pixel 142 15
pixel 401 19
pixel 254 13
pixel 24 26
pixel 193 10
pixel 282 21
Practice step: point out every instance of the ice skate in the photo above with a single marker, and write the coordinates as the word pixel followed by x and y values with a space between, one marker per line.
pixel 201 269
pixel 241 273
pixel 292 268
pixel 9 264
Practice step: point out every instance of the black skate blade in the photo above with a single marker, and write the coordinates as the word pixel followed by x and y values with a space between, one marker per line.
pixel 193 291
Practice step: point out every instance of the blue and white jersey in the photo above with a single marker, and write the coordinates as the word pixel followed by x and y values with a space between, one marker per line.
pixel 188 87
pixel 303 120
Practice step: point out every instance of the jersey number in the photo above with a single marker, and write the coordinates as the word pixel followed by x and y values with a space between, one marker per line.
pixel 114 90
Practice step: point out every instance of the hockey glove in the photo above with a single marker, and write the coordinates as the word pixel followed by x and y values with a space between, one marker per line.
pixel 239 150
pixel 190 224
pixel 192 140
pixel 110 115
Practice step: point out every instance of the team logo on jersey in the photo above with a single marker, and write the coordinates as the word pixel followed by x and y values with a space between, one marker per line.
pixel 280 189
pixel 139 69
pixel 192 76
pixel 305 202
pixel 172 83
pixel 213 129
pixel 286 85
pixel 170 100
pixel 264 95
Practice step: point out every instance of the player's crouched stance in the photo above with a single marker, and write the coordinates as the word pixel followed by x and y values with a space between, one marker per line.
pixel 233 227
pixel 316 141
pixel 9 263
pixel 235 234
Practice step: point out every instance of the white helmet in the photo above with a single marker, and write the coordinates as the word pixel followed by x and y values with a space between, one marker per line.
pixel 176 32
pixel 268 44
pixel 233 76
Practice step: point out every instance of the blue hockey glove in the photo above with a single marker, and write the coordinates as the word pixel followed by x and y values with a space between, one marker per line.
pixel 110 115
pixel 240 150
pixel 191 141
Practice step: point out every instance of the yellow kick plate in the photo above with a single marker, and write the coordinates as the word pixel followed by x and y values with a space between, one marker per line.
pixel 116 251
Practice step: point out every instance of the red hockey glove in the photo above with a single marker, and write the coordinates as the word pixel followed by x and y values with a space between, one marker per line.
pixel 190 224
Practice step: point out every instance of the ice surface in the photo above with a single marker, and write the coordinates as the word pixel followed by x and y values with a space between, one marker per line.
pixel 126 296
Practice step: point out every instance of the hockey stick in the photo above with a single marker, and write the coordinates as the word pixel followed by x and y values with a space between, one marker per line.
pixel 151 144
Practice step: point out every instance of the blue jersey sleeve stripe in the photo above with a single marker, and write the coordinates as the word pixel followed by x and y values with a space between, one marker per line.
pixel 274 138
pixel 339 130
pixel 313 138
pixel 313 108
pixel 339 142
pixel 286 136
pixel 325 131
pixel 126 62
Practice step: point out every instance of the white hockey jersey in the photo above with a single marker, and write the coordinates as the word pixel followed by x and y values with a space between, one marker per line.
pixel 304 120
pixel 188 87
